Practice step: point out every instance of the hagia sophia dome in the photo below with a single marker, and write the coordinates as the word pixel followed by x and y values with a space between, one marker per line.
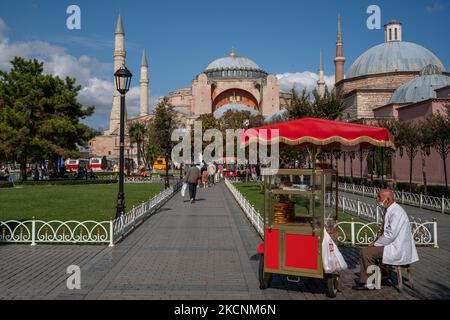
pixel 394 55
pixel 234 66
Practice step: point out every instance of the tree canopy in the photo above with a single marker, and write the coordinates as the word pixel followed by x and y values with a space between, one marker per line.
pixel 40 115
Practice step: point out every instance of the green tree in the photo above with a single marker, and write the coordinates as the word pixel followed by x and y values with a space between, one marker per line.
pixel 104 163
pixel 409 138
pixel 137 133
pixel 40 115
pixel 330 106
pixel 425 134
pixel 152 149
pixel 299 106
pixel 439 124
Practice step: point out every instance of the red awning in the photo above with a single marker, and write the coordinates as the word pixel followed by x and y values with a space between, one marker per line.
pixel 320 132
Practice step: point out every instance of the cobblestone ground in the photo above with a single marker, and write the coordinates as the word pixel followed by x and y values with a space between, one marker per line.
pixel 202 251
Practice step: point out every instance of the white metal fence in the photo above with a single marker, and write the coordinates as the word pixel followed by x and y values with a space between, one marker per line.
pixel 349 232
pixel 82 232
pixel 252 214
pixel 414 199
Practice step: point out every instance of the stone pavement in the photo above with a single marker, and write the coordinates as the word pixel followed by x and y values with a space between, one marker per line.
pixel 202 251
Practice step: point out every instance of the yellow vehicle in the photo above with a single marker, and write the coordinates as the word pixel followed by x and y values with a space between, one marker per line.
pixel 159 164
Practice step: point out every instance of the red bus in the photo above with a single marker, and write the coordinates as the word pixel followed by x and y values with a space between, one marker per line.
pixel 74 164
pixel 95 164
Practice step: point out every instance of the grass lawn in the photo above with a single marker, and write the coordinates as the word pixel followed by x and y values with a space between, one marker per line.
pixel 253 193
pixel 71 202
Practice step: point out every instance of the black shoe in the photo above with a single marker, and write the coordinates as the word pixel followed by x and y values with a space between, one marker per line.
pixel 360 287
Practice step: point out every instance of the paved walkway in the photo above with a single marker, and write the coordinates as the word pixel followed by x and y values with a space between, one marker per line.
pixel 201 251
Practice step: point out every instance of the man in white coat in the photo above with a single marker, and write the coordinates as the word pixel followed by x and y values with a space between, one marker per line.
pixel 394 244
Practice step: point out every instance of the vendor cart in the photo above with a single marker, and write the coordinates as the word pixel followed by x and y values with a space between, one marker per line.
pixel 294 219
pixel 295 212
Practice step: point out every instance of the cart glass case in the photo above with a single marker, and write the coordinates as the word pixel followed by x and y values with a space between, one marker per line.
pixel 294 220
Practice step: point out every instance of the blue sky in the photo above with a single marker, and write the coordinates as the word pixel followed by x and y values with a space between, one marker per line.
pixel 183 37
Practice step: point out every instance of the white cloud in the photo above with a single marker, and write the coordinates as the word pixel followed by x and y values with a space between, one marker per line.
pixel 302 80
pixel 435 7
pixel 88 72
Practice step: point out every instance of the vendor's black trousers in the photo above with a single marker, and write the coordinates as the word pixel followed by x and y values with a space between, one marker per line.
pixel 369 256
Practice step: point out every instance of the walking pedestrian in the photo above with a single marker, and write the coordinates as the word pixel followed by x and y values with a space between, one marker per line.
pixel 191 178
pixel 211 173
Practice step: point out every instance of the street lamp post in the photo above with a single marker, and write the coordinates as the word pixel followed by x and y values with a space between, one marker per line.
pixel 246 126
pixel 123 80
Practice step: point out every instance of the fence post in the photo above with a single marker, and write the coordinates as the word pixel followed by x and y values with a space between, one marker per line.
pixel 443 205
pixel 378 214
pixel 343 204
pixel 421 200
pixel 364 188
pixel 435 233
pixel 359 208
pixel 111 233
pixel 353 186
pixel 403 197
pixel 33 231
pixel 352 231
pixel 374 192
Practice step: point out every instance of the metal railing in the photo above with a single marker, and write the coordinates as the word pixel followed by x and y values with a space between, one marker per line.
pixel 82 232
pixel 252 214
pixel 414 199
pixel 349 232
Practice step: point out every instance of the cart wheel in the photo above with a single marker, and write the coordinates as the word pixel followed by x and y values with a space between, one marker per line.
pixel 333 284
pixel 265 278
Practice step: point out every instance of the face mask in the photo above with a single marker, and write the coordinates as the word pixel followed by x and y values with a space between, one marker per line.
pixel 381 205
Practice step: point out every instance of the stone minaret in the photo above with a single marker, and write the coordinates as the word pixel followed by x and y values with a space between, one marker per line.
pixel 119 61
pixel 144 85
pixel 339 60
pixel 321 82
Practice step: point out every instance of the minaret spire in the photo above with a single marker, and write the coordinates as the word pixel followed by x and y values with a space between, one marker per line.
pixel 119 61
pixel 339 60
pixel 144 85
pixel 321 82
pixel 339 32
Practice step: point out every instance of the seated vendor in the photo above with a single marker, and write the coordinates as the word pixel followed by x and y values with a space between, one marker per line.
pixel 394 244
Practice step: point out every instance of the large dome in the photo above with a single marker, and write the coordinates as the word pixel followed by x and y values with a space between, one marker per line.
pixel 421 88
pixel 234 67
pixel 392 57
pixel 233 63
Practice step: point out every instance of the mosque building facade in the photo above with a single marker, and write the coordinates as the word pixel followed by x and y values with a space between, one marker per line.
pixel 393 80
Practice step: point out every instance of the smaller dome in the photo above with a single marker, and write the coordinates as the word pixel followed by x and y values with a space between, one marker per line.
pixel 422 87
pixel 232 106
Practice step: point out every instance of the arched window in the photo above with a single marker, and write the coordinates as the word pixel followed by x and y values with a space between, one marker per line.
pixel 390 34
pixel 396 34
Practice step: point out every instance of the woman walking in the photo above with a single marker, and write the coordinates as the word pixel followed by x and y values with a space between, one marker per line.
pixel 205 176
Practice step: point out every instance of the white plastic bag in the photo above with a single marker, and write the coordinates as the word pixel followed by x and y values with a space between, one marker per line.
pixel 183 189
pixel 332 259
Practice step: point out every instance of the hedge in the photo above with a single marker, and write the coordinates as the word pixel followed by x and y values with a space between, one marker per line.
pixel 64 182
pixel 6 184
